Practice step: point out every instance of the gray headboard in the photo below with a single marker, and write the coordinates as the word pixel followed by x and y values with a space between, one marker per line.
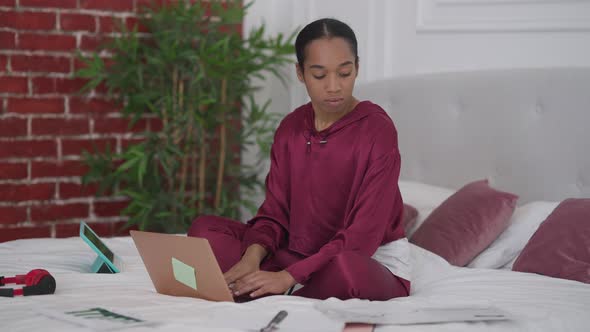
pixel 526 130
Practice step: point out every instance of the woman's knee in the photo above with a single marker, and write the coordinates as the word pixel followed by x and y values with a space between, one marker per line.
pixel 365 278
pixel 369 279
pixel 353 275
pixel 200 226
pixel 224 236
pixel 204 225
pixel 336 279
pixel 352 267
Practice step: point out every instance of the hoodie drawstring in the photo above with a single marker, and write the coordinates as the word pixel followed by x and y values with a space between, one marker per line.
pixel 309 142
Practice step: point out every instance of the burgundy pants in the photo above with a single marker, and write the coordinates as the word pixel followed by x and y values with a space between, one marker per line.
pixel 348 275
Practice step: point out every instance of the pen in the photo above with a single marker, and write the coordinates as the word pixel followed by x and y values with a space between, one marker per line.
pixel 274 323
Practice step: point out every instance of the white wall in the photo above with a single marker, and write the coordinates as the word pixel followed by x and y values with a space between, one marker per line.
pixel 404 37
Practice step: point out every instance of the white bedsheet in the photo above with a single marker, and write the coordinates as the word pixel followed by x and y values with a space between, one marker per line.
pixel 538 303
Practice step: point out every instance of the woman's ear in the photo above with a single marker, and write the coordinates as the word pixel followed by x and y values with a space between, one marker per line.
pixel 299 71
pixel 356 65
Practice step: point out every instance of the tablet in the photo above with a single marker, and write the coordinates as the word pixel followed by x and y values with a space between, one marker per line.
pixel 107 261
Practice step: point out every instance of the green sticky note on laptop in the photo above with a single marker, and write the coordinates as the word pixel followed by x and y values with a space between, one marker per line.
pixel 184 273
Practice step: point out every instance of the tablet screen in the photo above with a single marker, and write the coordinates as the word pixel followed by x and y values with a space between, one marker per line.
pixel 98 243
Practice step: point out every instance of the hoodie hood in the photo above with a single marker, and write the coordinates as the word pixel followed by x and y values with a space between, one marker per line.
pixel 358 113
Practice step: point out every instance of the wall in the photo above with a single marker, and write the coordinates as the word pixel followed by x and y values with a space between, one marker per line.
pixel 45 125
pixel 405 37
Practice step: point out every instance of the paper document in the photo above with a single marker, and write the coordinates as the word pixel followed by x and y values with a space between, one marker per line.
pixel 98 319
pixel 398 314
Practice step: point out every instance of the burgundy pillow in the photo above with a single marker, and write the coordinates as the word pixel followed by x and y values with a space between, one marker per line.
pixel 466 222
pixel 409 217
pixel 561 245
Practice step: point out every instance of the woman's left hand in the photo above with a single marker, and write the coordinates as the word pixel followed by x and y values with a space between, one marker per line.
pixel 262 282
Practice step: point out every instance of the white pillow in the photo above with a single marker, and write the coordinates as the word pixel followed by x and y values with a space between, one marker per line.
pixel 523 224
pixel 510 264
pixel 424 198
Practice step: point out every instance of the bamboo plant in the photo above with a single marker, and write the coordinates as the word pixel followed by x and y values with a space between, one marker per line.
pixel 193 71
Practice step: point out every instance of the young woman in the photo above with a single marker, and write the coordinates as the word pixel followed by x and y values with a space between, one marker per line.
pixel 332 197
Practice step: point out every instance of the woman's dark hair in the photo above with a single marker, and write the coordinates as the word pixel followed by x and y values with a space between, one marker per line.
pixel 324 28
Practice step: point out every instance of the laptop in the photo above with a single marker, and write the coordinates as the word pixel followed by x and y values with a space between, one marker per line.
pixel 182 266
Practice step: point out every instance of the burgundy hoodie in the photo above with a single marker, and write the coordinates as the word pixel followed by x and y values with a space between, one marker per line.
pixel 332 190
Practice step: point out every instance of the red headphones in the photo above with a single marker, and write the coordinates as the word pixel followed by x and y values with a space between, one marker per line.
pixel 38 282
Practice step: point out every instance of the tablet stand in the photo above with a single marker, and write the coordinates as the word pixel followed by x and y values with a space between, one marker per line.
pixel 99 266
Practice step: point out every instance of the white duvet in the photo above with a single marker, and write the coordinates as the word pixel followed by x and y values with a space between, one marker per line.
pixel 536 303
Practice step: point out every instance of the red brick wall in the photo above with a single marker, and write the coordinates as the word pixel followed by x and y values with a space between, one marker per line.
pixel 45 126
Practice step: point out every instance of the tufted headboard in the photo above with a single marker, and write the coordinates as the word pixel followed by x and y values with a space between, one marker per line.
pixel 526 130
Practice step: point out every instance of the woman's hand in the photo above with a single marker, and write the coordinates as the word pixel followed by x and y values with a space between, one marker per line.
pixel 261 282
pixel 249 263
pixel 242 268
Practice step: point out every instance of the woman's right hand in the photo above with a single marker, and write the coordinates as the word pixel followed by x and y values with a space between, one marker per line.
pixel 249 263
pixel 240 270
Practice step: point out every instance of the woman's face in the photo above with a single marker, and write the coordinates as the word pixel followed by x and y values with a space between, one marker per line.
pixel 329 74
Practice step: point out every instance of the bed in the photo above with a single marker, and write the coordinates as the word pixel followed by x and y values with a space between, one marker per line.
pixel 524 130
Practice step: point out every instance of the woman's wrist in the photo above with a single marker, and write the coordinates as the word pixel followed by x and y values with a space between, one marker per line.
pixel 289 278
pixel 255 253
